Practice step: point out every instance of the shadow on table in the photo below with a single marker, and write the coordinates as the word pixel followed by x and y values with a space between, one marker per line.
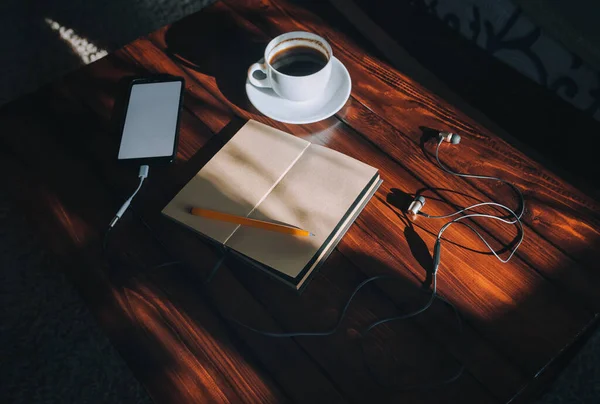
pixel 53 183
pixel 419 249
pixel 417 246
pixel 219 48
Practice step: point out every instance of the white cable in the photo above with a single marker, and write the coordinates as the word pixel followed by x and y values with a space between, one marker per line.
pixel 143 174
pixel 483 177
pixel 518 221
pixel 517 217
pixel 476 206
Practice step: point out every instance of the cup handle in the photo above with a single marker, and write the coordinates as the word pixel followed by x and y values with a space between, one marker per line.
pixel 264 83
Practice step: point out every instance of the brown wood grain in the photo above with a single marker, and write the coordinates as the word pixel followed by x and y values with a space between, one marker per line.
pixel 397 98
pixel 351 379
pixel 494 267
pixel 72 209
pixel 58 163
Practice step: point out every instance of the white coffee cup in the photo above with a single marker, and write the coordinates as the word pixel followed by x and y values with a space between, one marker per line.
pixel 293 87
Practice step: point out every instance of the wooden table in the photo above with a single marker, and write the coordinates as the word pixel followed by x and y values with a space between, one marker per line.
pixel 58 154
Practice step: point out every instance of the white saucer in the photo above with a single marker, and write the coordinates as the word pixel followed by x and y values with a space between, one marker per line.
pixel 333 98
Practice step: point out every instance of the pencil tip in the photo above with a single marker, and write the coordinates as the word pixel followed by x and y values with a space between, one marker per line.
pixel 312 234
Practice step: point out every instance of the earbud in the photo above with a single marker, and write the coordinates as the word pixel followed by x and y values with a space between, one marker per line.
pixel 416 205
pixel 449 137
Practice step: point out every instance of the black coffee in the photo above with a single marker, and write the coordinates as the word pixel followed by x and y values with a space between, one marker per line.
pixel 298 61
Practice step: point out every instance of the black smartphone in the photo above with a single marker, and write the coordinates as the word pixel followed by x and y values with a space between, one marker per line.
pixel 150 126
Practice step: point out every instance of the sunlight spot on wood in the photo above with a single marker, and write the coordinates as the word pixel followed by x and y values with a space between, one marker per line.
pixel 73 225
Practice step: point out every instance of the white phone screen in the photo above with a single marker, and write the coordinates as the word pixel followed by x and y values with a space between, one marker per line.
pixel 150 127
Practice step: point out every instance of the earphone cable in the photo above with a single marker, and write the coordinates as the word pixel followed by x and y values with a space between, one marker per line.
pixel 343 315
pixel 433 292
pixel 417 386
pixel 510 211
pixel 433 295
pixel 477 205
pixel 476 176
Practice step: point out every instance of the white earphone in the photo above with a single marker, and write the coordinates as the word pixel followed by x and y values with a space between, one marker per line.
pixel 419 202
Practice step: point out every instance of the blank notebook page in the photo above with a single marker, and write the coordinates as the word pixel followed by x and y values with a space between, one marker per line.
pixel 314 195
pixel 237 178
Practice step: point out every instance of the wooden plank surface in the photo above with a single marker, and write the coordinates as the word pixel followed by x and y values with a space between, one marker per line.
pixel 363 387
pixel 58 153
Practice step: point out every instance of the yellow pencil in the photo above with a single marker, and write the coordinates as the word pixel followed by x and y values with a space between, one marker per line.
pixel 244 221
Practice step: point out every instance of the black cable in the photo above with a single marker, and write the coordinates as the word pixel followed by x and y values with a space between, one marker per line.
pixel 341 317
pixel 406 316
pixel 433 296
pixel 426 385
pixel 215 268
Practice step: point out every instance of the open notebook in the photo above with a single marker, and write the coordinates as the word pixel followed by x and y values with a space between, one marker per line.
pixel 266 174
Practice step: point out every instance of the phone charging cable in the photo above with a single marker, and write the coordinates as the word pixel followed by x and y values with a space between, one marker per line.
pixel 143 174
